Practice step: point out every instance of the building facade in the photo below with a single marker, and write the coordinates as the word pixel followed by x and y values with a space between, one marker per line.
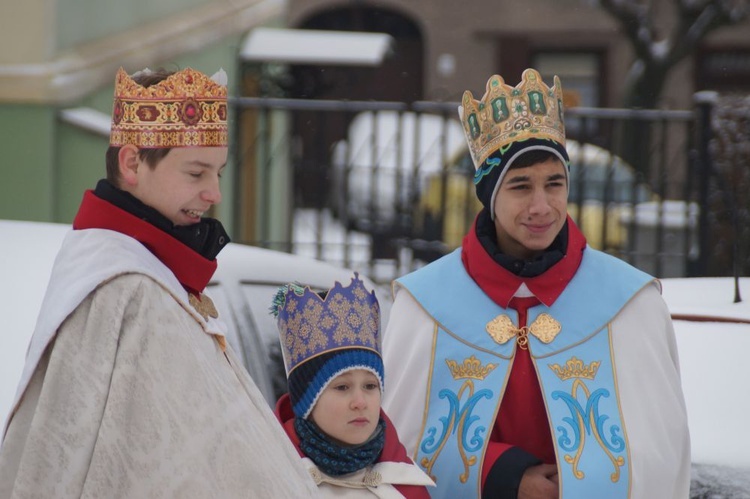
pixel 455 46
pixel 60 57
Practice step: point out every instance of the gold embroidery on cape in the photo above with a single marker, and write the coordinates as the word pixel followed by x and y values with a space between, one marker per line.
pixel 545 327
pixel 502 329
pixel 472 368
pixel 204 306
pixel 575 368
pixel 578 371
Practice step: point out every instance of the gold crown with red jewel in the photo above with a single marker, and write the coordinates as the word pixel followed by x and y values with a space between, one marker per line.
pixel 187 109
pixel 506 115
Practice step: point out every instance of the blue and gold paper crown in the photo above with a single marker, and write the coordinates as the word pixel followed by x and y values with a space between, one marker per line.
pixel 322 338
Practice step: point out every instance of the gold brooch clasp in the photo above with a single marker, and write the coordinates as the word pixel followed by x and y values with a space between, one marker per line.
pixel 204 306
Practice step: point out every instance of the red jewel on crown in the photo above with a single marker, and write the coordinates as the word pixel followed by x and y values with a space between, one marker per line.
pixel 191 114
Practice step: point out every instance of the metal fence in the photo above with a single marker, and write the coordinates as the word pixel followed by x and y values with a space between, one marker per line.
pixel 384 187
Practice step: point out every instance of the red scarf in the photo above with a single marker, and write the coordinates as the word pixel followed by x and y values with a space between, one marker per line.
pixel 500 284
pixel 191 269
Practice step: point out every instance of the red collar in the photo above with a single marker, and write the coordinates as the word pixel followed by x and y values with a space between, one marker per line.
pixel 500 284
pixel 191 269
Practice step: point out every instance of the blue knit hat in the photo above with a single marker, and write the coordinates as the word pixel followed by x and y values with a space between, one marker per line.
pixel 324 337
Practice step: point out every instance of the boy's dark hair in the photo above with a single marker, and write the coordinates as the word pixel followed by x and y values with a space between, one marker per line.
pixel 150 156
pixel 532 158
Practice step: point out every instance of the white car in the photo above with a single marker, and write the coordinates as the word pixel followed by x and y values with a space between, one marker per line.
pixel 243 286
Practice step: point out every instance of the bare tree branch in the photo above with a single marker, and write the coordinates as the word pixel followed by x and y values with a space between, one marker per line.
pixel 694 23
pixel 635 21
pixel 654 57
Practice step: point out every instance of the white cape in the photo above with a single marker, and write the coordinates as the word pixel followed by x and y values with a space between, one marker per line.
pixel 128 393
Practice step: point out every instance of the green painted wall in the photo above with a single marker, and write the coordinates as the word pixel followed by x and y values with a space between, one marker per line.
pixel 81 164
pixel 48 164
pixel 81 156
pixel 80 21
pixel 27 142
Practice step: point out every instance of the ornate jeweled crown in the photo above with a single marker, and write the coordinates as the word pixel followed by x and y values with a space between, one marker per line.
pixel 187 109
pixel 508 114
pixel 309 326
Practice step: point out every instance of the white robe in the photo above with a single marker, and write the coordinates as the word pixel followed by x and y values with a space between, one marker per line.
pixel 645 354
pixel 127 392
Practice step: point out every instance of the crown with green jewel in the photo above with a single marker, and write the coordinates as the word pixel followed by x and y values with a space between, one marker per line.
pixel 506 114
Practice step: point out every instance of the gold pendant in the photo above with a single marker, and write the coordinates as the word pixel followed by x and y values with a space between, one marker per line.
pixel 501 329
pixel 204 306
pixel 545 327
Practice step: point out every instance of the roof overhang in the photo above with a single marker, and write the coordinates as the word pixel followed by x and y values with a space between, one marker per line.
pixel 316 47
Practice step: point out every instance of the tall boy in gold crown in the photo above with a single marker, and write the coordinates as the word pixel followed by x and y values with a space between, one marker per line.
pixel 527 364
pixel 130 388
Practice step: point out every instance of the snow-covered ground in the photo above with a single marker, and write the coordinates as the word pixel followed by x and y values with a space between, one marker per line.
pixel 713 339
pixel 715 381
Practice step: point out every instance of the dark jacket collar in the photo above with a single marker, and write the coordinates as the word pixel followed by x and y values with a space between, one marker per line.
pixel 206 237
pixel 191 268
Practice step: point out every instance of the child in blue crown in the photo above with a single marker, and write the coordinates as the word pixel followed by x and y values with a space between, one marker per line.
pixel 331 346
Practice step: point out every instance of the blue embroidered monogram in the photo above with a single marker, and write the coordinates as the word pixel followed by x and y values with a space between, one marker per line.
pixel 461 413
pixel 585 414
pixel 460 418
